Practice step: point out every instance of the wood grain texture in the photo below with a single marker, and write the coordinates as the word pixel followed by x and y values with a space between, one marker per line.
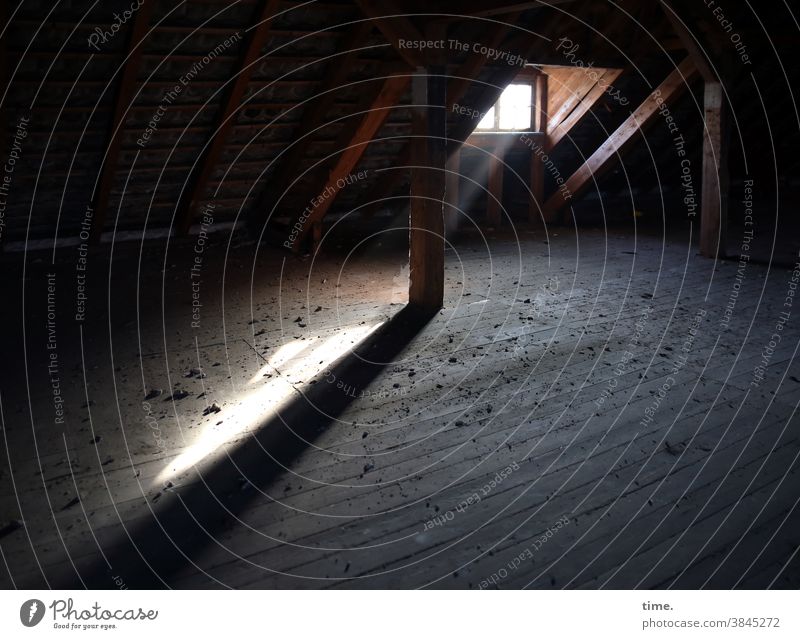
pixel 623 137
pixel 714 194
pixel 428 151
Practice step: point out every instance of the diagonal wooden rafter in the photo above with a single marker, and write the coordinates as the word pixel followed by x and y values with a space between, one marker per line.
pixel 122 103
pixel 316 111
pixel 353 142
pixel 396 28
pixel 565 120
pixel 226 116
pixel 623 137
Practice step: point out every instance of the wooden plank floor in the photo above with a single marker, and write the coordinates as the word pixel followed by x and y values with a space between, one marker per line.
pixel 581 414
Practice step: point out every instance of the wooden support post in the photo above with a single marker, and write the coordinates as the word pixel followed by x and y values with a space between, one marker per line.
pixel 714 203
pixel 714 190
pixel 122 104
pixel 316 236
pixel 452 209
pixel 537 166
pixel 536 205
pixel 428 153
pixel 494 198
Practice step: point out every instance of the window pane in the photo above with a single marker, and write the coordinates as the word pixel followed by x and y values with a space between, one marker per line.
pixel 515 106
pixel 487 121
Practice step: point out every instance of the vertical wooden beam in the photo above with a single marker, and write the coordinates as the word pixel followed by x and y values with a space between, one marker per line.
pixel 316 236
pixel 540 116
pixel 226 117
pixel 452 180
pixel 494 197
pixel 122 104
pixel 714 202
pixel 428 153
pixel 537 166
pixel 714 190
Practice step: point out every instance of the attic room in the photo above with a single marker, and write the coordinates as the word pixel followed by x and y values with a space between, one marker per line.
pixel 343 294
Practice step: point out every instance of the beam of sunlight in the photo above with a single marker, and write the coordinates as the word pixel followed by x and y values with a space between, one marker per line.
pixel 474 187
pixel 283 355
pixel 294 363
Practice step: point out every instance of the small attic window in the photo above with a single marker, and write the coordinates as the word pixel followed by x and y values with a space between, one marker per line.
pixel 512 112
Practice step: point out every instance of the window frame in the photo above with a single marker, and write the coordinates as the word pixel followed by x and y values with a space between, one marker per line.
pixel 495 128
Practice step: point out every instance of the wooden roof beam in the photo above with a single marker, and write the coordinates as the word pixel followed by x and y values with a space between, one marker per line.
pixel 560 127
pixel 122 104
pixel 226 117
pixel 353 141
pixel 397 28
pixel 621 139
pixel 320 105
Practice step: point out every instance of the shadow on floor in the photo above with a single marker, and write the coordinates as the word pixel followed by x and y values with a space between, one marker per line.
pixel 150 554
